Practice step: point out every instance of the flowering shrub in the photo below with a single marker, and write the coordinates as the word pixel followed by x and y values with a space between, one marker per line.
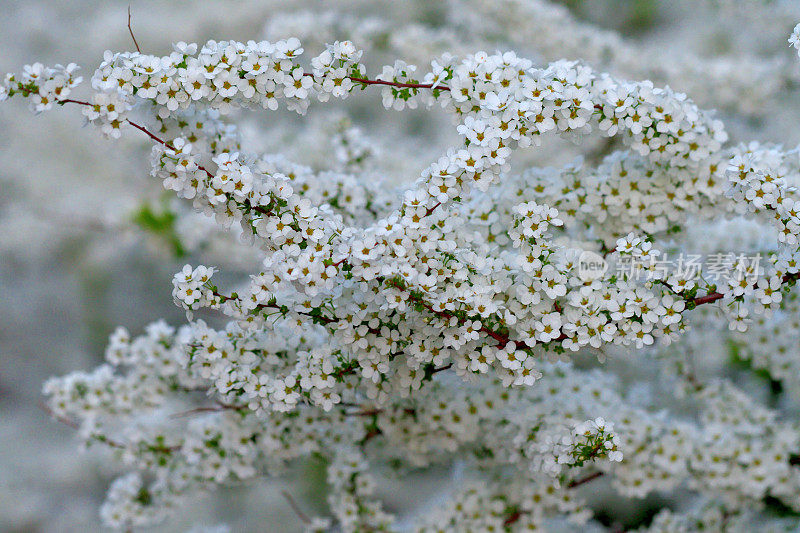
pixel 449 322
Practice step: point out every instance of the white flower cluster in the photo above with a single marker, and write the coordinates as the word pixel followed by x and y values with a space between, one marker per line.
pixel 482 507
pixel 334 68
pixel 586 441
pixel 128 504
pixel 190 288
pixel 740 81
pixel 352 500
pixel 45 86
pixel 711 516
pixel 413 329
pixel 548 31
pixel 109 111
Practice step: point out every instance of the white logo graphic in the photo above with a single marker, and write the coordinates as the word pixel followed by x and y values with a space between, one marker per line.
pixel 591 266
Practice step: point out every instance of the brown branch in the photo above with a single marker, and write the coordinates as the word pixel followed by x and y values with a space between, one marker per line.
pixel 64 420
pixel 71 101
pixel 159 140
pixel 371 434
pixel 399 84
pixel 517 513
pixel 442 368
pixel 260 307
pixel 196 410
pixel 365 412
pixel 102 438
pixel 296 508
pixel 581 481
pixel 501 339
pixel 376 411
pixel 513 517
pixel 708 298
pixel 154 137
pixel 432 208
pixel 366 81
pixel 714 296
pixel 209 409
pixel 693 381
pixel 75 425
pixel 139 127
pixel 131 30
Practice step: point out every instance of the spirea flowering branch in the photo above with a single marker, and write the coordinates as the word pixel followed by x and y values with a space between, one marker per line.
pixel 413 327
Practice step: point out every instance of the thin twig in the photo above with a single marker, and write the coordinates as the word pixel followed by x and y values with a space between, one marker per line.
pixel 66 421
pixel 513 517
pixel 432 208
pixel 442 368
pixel 300 514
pixel 101 438
pixel 376 411
pixel 518 513
pixel 131 30
pixel 371 434
pixel 75 425
pixel 365 412
pixel 209 409
pixel 714 296
pixel 578 482
pixel 399 84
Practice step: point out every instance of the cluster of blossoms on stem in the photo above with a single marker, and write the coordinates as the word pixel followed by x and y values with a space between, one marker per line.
pixel 583 443
pixel 414 329
pixel 739 81
pixel 44 86
pixel 548 31
pixel 190 288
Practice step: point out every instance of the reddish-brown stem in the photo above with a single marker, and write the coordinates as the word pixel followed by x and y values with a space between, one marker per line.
pixel 376 411
pixel 398 84
pixel 151 135
pixel 432 208
pixel 74 425
pixel 209 409
pixel 582 481
pixel 131 31
pixel 296 508
pixel 66 421
pixel 714 296
pixel 513 517
pixel 708 298
pixel 517 514
pixel 501 339
pixel 371 434
pixel 365 412
pixel 442 368
pixel 71 101
pixel 139 127
pixel 366 81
